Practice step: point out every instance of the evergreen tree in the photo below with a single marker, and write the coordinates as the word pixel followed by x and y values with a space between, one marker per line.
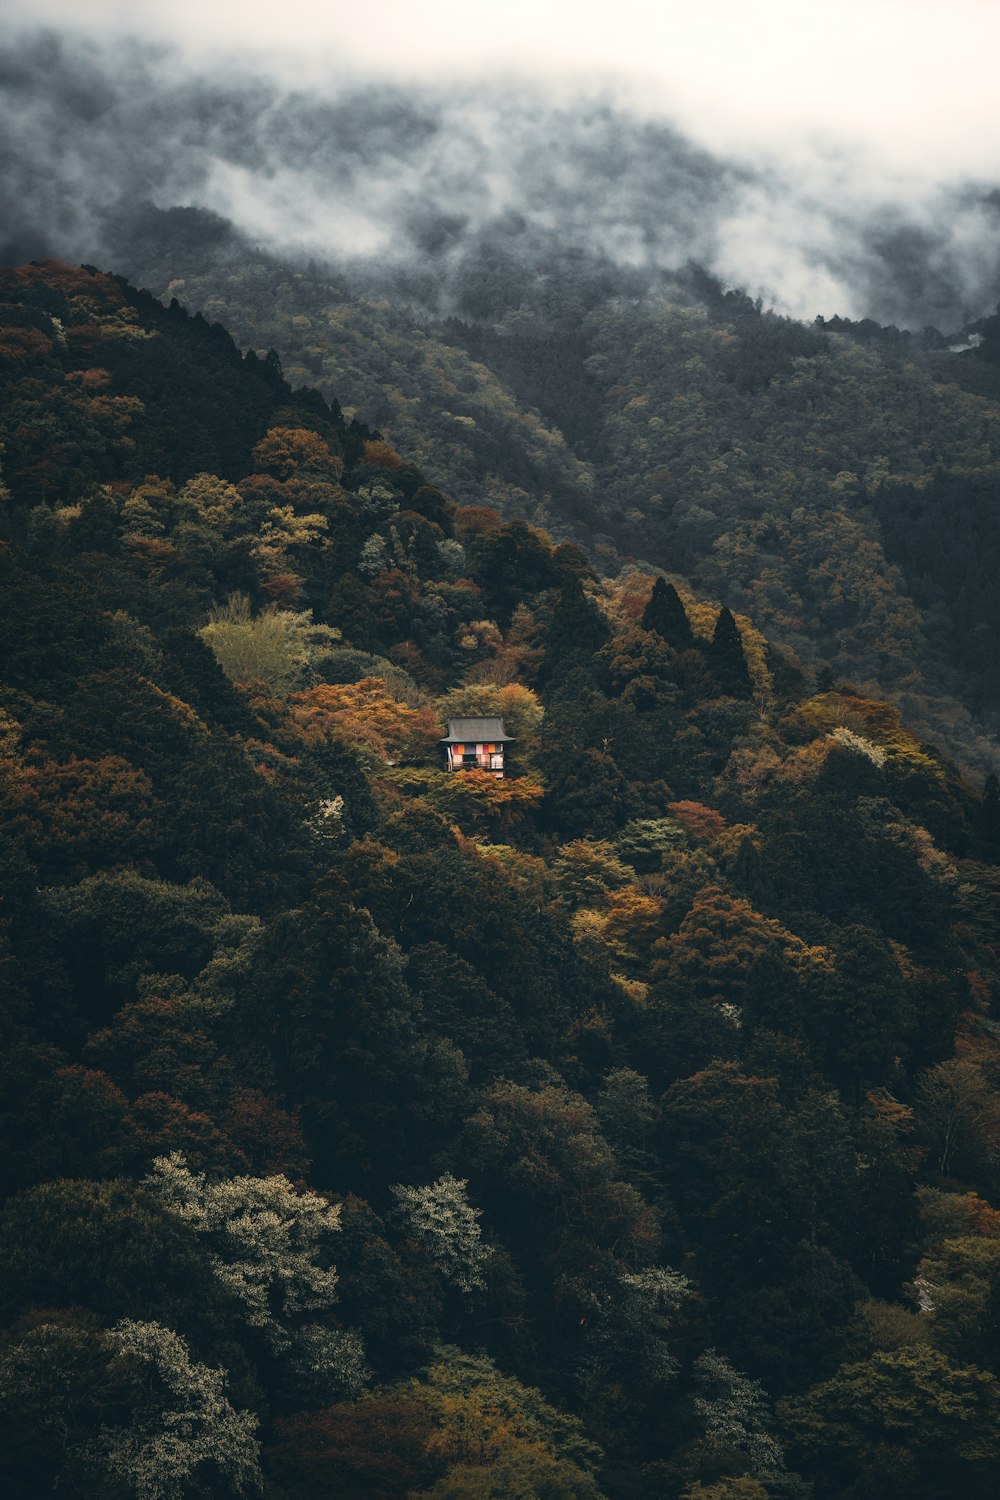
pixel 667 616
pixel 576 632
pixel 727 658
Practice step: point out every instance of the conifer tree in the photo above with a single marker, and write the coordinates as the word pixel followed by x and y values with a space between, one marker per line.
pixel 667 616
pixel 727 658
pixel 577 630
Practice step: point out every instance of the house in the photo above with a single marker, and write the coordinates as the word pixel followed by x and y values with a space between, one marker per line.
pixel 476 744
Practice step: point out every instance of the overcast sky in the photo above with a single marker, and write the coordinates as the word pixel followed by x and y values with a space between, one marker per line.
pixel 914 81
pixel 865 123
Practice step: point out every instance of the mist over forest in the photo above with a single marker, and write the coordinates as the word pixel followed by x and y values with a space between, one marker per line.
pixel 499 770
pixel 417 177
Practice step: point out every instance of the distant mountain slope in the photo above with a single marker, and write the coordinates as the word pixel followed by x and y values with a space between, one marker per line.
pixel 766 460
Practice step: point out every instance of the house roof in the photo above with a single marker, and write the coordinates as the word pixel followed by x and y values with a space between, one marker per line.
pixel 461 731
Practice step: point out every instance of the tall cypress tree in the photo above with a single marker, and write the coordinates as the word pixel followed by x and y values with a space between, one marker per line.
pixel 667 616
pixel 727 658
pixel 576 631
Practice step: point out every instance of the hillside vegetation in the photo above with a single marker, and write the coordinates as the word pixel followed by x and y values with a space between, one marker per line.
pixel 833 480
pixel 629 1126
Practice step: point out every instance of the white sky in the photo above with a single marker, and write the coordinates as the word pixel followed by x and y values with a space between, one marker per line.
pixel 912 82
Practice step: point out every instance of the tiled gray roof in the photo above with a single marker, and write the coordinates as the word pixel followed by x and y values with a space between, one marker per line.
pixel 462 730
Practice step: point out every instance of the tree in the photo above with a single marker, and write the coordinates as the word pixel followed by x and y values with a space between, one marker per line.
pixel 727 658
pixel 576 632
pixel 958 1114
pixel 630 1326
pixel 329 995
pixel 727 1489
pixel 702 824
pixel 285 451
pixel 586 869
pixel 274 647
pixel 366 713
pixel 190 1443
pixel 764 1187
pixel 587 794
pixel 111 1248
pixel 519 1474
pixel 125 1412
pixel 583 1238
pixel 165 1046
pixel 628 1117
pixel 116 926
pixel 902 1423
pixel 959 1282
pixel 540 1158
pixel 458 1004
pixel 270 1249
pixel 84 814
pixel 514 562
pixel 645 842
pixel 667 616
pixel 459 1428
pixel 989 815
pixel 737 1423
pixel 443 1221
pixel 375 1448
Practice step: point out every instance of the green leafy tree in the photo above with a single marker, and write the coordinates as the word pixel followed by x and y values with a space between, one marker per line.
pixel 275 647
pixel 113 1249
pixel 959 1283
pixel 902 1423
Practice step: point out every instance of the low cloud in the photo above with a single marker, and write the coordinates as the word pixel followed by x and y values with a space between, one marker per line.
pixel 428 175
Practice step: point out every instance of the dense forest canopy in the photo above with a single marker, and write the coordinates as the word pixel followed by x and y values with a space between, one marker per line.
pixel 831 480
pixel 627 1126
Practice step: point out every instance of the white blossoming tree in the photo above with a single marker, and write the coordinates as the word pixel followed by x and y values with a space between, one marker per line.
pixel 734 1410
pixel 848 740
pixel 270 1246
pixel 446 1225
pixel 120 1412
pixel 191 1438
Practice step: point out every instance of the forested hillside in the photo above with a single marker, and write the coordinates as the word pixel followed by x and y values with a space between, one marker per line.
pixel 626 1127
pixel 833 480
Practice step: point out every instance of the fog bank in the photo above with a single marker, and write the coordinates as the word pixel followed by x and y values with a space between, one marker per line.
pixel 345 165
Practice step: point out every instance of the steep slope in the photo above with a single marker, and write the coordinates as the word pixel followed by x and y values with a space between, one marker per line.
pixel 772 464
pixel 595 1131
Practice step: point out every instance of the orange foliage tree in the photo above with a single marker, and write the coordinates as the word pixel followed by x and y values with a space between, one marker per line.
pixel 700 822
pixel 284 451
pixel 366 713
pixel 83 812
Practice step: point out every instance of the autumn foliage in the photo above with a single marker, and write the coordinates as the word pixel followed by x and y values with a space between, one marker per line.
pixel 624 1125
